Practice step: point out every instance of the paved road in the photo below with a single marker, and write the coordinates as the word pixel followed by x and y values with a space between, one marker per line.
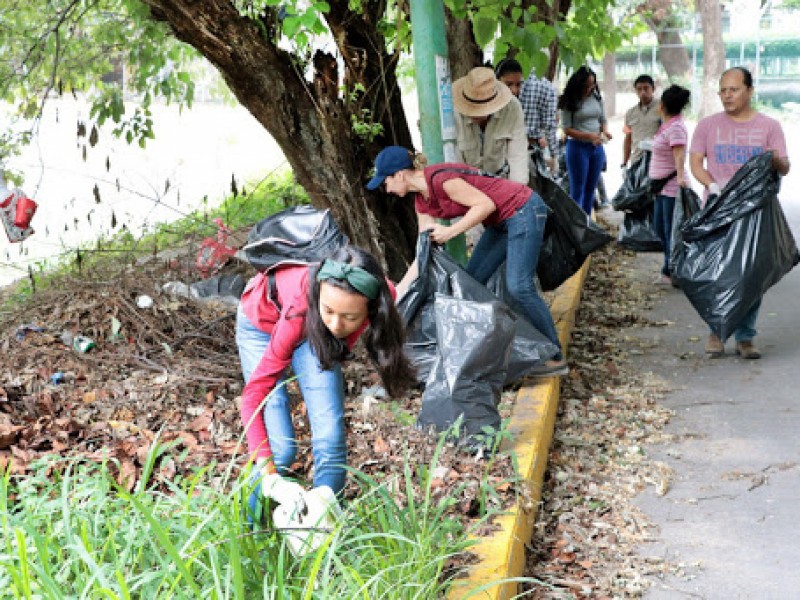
pixel 732 514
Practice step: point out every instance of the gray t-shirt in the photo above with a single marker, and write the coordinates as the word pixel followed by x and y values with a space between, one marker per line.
pixel 588 118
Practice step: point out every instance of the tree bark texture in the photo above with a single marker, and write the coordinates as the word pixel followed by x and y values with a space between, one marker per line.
pixel 462 50
pixel 299 102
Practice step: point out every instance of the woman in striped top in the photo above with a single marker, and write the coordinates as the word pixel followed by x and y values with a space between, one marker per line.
pixel 669 160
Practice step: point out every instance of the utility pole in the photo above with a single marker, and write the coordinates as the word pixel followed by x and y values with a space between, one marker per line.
pixel 435 93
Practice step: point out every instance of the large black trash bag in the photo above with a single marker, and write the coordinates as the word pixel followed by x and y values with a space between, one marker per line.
pixel 687 203
pixel 466 380
pixel 736 247
pixel 637 231
pixel 226 288
pixel 636 197
pixel 439 273
pixel 634 193
pixel 569 234
pixel 297 235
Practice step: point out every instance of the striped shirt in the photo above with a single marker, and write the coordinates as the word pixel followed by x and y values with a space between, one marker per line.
pixel 662 163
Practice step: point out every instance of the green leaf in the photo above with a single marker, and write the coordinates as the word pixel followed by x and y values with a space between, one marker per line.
pixel 485 30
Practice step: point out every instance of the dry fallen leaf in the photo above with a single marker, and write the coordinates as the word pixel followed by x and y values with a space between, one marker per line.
pixel 380 446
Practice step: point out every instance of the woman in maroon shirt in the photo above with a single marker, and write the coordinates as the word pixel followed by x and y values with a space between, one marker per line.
pixel 513 216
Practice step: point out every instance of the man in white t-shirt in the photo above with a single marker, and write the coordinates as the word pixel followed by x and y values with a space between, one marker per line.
pixel 725 141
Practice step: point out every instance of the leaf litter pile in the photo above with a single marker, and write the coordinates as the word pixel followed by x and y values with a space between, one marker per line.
pixel 585 541
pixel 170 372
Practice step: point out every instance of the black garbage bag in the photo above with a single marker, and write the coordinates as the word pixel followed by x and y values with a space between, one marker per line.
pixel 637 231
pixel 297 235
pixel 736 247
pixel 636 196
pixel 569 234
pixel 687 203
pixel 439 273
pixel 226 288
pixel 466 379
pixel 635 193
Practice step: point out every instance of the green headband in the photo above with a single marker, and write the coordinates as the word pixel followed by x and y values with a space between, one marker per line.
pixel 360 279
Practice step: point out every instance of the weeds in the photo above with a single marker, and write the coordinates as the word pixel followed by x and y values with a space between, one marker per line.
pixel 69 530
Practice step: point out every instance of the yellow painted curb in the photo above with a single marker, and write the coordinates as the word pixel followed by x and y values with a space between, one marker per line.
pixel 502 555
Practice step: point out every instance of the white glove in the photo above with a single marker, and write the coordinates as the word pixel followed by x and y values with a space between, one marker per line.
pixel 284 492
pixel 713 189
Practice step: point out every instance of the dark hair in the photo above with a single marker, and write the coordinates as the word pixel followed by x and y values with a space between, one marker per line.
pixel 506 66
pixel 644 79
pixel 384 337
pixel 574 90
pixel 746 75
pixel 674 99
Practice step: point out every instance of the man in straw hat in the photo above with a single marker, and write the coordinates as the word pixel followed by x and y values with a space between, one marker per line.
pixel 490 126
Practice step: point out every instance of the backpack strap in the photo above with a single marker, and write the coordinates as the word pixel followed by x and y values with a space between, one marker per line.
pixel 475 172
pixel 272 286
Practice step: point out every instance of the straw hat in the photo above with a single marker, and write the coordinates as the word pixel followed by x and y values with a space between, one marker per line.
pixel 480 93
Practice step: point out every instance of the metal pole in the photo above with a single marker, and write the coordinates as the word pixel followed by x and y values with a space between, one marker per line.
pixel 435 93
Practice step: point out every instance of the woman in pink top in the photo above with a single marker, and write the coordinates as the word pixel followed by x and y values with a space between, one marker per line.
pixel 311 320
pixel 669 160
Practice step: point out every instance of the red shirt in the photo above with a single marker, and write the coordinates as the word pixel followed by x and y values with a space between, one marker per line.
pixel 287 329
pixel 508 196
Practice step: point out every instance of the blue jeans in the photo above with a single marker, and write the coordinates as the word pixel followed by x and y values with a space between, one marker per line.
pixel 584 164
pixel 662 223
pixel 323 393
pixel 746 329
pixel 517 241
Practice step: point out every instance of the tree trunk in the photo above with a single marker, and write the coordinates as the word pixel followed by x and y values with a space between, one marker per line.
pixel 560 10
pixel 462 50
pixel 673 55
pixel 609 86
pixel 713 54
pixel 311 120
pixel 660 18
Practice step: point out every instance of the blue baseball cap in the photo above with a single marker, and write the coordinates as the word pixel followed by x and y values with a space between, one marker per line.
pixel 389 161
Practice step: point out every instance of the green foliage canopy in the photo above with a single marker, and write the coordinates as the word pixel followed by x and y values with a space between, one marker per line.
pixel 50 47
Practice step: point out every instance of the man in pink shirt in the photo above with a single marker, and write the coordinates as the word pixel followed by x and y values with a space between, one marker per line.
pixel 725 141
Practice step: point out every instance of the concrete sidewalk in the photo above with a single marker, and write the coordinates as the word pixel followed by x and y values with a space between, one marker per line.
pixel 732 516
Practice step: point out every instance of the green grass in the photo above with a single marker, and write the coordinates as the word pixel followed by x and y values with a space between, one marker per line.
pixel 69 531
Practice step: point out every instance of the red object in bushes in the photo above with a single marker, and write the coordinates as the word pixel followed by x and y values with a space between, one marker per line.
pixel 24 213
